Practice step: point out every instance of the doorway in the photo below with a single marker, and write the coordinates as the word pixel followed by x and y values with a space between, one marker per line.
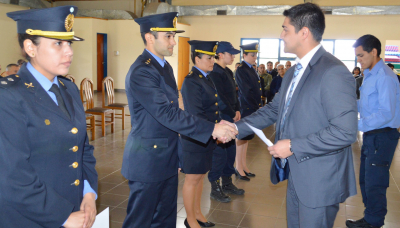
pixel 183 59
pixel 101 59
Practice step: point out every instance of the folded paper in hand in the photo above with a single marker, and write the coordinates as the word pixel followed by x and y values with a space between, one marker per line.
pixel 260 134
pixel 102 219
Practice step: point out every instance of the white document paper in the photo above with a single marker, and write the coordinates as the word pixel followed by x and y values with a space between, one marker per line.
pixel 260 134
pixel 102 219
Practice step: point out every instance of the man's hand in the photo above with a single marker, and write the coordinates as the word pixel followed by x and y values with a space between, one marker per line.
pixel 224 131
pixel 75 220
pixel 237 117
pixel 88 206
pixel 281 149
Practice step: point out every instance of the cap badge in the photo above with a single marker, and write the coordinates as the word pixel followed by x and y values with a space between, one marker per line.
pixel 215 48
pixel 256 47
pixel 174 22
pixel 69 21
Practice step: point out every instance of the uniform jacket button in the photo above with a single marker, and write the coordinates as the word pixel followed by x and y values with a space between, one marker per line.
pixel 172 101
pixel 74 130
pixel 75 148
pixel 76 182
pixel 75 165
pixel 216 95
pixel 216 112
pixel 216 103
pixel 216 121
pixel 155 146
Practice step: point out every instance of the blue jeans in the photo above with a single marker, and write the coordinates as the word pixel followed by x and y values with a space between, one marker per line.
pixel 376 157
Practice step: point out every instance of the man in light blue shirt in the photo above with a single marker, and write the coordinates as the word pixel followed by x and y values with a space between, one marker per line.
pixel 379 108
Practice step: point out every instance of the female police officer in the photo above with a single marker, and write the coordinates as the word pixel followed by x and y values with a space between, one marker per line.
pixel 48 176
pixel 199 99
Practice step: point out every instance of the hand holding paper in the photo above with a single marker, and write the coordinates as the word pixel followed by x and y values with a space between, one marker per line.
pixel 260 134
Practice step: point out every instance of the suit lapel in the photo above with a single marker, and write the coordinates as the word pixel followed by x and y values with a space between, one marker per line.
pixel 41 97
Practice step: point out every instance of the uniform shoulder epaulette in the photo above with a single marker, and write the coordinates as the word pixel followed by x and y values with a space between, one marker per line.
pixel 240 65
pixel 147 61
pixel 190 74
pixel 9 80
pixel 64 78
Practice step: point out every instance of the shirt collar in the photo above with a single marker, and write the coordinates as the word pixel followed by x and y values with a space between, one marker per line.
pixel 204 73
pixel 248 64
pixel 307 58
pixel 160 61
pixel 375 69
pixel 43 81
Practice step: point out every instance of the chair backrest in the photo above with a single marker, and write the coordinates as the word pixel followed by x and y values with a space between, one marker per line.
pixel 70 77
pixel 108 88
pixel 87 93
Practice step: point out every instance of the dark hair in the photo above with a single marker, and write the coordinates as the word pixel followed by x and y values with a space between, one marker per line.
pixel 270 62
pixel 390 65
pixel 368 43
pixel 20 62
pixel 356 68
pixel 245 53
pixel 11 65
pixel 217 56
pixel 307 15
pixel 143 34
pixel 196 54
pixel 237 64
pixel 22 37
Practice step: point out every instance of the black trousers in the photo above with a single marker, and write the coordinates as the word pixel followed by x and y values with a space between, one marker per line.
pixel 152 204
pixel 376 157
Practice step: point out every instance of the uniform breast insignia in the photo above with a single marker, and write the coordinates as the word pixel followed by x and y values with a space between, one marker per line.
pixel 3 82
pixel 29 85
pixel 61 82
pixel 47 122
pixel 148 61
pixel 200 76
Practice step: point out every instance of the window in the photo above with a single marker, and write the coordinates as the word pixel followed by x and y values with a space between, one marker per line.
pixel 273 50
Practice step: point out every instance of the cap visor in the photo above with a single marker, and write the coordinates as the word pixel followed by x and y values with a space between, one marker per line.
pixel 233 51
pixel 180 31
pixel 75 38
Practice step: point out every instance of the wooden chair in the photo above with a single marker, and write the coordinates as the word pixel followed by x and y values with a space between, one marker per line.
pixel 70 77
pixel 87 95
pixel 91 124
pixel 108 87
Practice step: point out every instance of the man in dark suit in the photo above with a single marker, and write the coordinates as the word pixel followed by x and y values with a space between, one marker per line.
pixel 150 161
pixel 271 70
pixel 316 122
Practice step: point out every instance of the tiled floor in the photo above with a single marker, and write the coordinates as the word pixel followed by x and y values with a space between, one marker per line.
pixel 263 204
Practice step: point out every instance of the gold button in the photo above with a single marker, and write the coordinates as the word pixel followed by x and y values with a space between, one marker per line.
pixel 261 96
pixel 260 88
pixel 155 146
pixel 258 81
pixel 216 103
pixel 200 76
pixel 75 165
pixel 172 102
pixel 216 121
pixel 47 122
pixel 76 183
pixel 74 130
pixel 216 112
pixel 17 76
pixel 259 104
pixel 216 95
pixel 75 148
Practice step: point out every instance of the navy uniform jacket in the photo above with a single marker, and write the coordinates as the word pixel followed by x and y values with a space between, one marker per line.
pixel 249 89
pixel 200 99
pixel 152 147
pixel 38 146
pixel 225 85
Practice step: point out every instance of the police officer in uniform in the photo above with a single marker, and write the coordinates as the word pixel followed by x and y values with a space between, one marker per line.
pixel 200 99
pixel 150 161
pixel 250 94
pixel 224 155
pixel 48 176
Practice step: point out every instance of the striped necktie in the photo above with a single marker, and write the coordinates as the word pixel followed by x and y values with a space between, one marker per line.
pixel 289 98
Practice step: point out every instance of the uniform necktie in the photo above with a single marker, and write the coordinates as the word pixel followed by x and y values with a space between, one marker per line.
pixel 54 88
pixel 289 98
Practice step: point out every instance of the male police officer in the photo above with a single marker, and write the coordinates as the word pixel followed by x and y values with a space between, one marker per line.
pixel 223 160
pixel 150 160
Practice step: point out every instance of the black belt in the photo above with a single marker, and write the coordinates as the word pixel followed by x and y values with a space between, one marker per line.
pixel 381 130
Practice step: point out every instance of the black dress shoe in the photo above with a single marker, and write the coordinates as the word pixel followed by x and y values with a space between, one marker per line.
pixel 205 224
pixel 361 223
pixel 229 187
pixel 186 223
pixel 249 174
pixel 241 177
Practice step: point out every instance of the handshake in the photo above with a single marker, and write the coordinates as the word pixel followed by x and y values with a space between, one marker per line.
pixel 224 131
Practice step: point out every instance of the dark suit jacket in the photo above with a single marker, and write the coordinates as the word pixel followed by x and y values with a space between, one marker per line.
pixel 321 122
pixel 249 88
pixel 273 73
pixel 36 153
pixel 226 89
pixel 152 147
pixel 200 99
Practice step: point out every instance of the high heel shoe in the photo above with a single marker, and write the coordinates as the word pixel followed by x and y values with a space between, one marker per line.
pixel 186 223
pixel 241 177
pixel 249 174
pixel 205 224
